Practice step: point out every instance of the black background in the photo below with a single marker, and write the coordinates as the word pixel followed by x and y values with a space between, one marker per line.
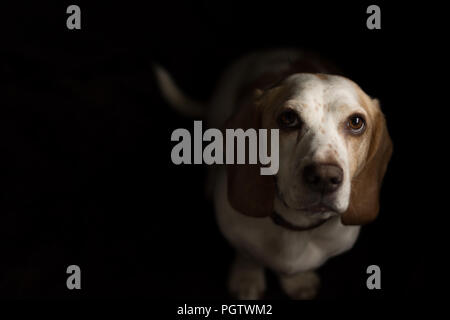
pixel 87 177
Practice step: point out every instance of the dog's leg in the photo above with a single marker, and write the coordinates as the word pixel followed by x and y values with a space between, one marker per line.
pixel 301 286
pixel 247 280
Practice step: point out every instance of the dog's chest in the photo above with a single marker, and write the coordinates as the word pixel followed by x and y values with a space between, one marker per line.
pixel 281 250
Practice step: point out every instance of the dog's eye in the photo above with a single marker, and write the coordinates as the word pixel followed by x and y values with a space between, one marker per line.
pixel 289 119
pixel 356 124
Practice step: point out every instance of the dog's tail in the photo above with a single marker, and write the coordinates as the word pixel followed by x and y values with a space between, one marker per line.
pixel 175 97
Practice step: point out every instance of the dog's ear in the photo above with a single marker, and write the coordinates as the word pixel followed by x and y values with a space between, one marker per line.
pixel 249 192
pixel 364 198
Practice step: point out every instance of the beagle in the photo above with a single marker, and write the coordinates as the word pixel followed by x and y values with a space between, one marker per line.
pixel 334 148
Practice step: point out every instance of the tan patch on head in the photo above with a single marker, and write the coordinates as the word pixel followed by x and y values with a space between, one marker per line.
pixel 364 198
pixel 272 102
pixel 358 145
pixel 321 76
pixel 369 105
pixel 370 155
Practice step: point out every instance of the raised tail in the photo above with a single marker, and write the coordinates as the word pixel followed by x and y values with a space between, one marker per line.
pixel 175 97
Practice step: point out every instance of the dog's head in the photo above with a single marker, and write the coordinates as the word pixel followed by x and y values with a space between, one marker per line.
pixel 334 149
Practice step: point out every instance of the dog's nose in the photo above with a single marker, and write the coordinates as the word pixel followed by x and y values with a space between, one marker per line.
pixel 325 178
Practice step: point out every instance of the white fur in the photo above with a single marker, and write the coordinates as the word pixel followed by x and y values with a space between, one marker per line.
pixel 279 249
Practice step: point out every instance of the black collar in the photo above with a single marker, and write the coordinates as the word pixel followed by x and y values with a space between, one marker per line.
pixel 279 220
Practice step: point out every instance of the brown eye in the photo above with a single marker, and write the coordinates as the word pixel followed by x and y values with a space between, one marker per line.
pixel 356 124
pixel 289 119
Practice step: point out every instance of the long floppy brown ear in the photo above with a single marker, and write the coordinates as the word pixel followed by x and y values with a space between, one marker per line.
pixel 364 198
pixel 249 192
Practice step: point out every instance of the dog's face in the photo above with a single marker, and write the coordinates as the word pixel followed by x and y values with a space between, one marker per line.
pixel 324 139
pixel 334 150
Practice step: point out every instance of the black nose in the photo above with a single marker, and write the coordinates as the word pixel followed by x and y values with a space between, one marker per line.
pixel 323 178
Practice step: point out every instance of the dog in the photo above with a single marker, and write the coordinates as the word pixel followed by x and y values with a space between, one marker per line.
pixel 334 148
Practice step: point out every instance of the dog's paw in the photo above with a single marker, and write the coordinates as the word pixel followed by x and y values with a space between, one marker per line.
pixel 301 286
pixel 246 282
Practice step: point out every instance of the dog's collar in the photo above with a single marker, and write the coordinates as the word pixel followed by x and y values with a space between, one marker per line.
pixel 279 220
